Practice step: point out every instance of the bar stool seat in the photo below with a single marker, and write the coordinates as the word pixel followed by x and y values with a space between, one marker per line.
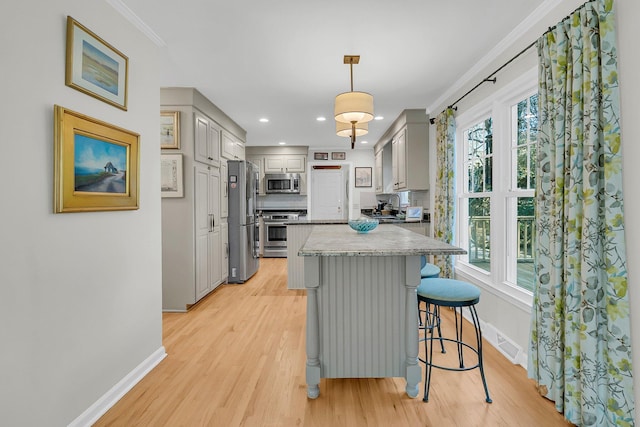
pixel 429 271
pixel 457 294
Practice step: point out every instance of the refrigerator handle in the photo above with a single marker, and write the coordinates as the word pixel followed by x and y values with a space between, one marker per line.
pixel 213 221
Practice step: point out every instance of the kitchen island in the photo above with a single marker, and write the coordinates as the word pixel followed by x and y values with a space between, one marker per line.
pixel 362 307
pixel 298 232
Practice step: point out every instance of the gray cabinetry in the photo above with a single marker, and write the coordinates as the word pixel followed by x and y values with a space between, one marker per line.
pixel 194 229
pixel 207 140
pixel 409 140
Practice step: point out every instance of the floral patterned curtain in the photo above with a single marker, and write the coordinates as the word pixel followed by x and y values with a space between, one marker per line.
pixel 580 350
pixel 444 209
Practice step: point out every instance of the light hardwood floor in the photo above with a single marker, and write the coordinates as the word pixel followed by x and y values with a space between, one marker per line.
pixel 237 358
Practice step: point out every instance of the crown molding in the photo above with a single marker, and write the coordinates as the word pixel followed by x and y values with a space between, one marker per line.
pixel 519 31
pixel 136 21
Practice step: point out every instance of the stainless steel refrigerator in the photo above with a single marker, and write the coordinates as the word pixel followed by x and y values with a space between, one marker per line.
pixel 244 259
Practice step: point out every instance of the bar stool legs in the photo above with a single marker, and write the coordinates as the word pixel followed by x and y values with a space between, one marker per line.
pixel 429 271
pixel 457 295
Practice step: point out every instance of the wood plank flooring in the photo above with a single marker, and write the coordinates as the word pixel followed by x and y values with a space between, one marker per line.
pixel 237 358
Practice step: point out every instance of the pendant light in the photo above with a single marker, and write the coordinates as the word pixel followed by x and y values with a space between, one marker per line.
pixel 353 108
pixel 345 129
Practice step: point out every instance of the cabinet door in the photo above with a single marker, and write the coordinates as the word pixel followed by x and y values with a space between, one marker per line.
pixel 214 143
pixel 202 231
pixel 224 190
pixel 240 150
pixel 215 242
pixel 207 141
pixel 400 161
pixel 201 142
pixel 273 164
pixel 379 181
pixel 228 145
pixel 294 164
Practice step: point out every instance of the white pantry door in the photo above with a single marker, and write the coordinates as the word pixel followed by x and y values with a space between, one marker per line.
pixel 329 198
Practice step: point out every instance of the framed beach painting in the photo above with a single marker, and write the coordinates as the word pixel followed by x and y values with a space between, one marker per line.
pixel 171 175
pixel 94 66
pixel 170 129
pixel 96 164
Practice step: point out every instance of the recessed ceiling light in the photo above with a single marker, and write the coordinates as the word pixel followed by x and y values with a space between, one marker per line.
pixel 378 118
pixel 321 119
pixel 364 142
pixel 264 120
pixel 282 143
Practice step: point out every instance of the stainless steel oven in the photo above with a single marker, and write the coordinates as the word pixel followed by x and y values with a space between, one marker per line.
pixel 275 233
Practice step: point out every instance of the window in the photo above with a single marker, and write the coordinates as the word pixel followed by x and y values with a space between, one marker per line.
pixel 478 144
pixel 524 127
pixel 496 183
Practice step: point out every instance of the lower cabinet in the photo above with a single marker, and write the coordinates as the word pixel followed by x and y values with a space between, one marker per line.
pixel 208 225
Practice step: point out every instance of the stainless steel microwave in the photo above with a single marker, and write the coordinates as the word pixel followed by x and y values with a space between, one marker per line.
pixel 282 183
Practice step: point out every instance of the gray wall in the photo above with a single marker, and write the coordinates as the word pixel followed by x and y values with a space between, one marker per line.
pixel 80 294
pixel 513 321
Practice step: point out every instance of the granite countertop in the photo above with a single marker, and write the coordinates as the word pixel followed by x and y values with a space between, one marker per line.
pixel 316 221
pixel 384 240
pixel 344 221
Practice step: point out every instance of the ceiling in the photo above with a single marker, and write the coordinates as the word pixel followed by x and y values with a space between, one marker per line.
pixel 283 59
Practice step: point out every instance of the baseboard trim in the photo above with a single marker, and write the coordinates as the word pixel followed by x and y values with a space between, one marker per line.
pixel 507 347
pixel 111 397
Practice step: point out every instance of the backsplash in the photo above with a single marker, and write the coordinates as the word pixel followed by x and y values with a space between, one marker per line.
pixel 277 201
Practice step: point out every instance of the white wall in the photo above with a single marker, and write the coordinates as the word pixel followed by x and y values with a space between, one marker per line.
pixel 80 293
pixel 513 320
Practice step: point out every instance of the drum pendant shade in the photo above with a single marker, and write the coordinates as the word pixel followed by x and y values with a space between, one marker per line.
pixel 353 107
pixel 344 129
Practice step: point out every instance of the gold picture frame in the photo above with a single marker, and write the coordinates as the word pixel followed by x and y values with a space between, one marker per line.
pixel 96 164
pixel 170 130
pixel 95 67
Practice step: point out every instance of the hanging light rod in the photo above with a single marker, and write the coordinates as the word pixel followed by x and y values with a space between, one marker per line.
pixel 353 109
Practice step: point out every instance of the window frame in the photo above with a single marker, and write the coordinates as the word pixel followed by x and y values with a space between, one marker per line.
pixel 498 107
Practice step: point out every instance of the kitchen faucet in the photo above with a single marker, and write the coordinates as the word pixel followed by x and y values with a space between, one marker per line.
pixel 389 201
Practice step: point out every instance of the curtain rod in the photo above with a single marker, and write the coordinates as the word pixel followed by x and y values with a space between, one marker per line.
pixel 489 78
pixel 432 120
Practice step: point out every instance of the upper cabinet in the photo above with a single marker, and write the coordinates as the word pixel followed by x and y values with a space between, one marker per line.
pixel 409 140
pixel 399 156
pixel 232 148
pixel 379 180
pixel 273 159
pixel 286 163
pixel 207 140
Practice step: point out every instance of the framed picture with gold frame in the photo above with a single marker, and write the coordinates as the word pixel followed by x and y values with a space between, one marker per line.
pixel 94 66
pixel 96 164
pixel 170 129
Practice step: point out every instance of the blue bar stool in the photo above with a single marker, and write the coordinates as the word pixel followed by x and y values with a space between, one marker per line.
pixel 456 294
pixel 430 271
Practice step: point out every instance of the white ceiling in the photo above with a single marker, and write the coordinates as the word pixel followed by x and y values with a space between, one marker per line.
pixel 283 59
